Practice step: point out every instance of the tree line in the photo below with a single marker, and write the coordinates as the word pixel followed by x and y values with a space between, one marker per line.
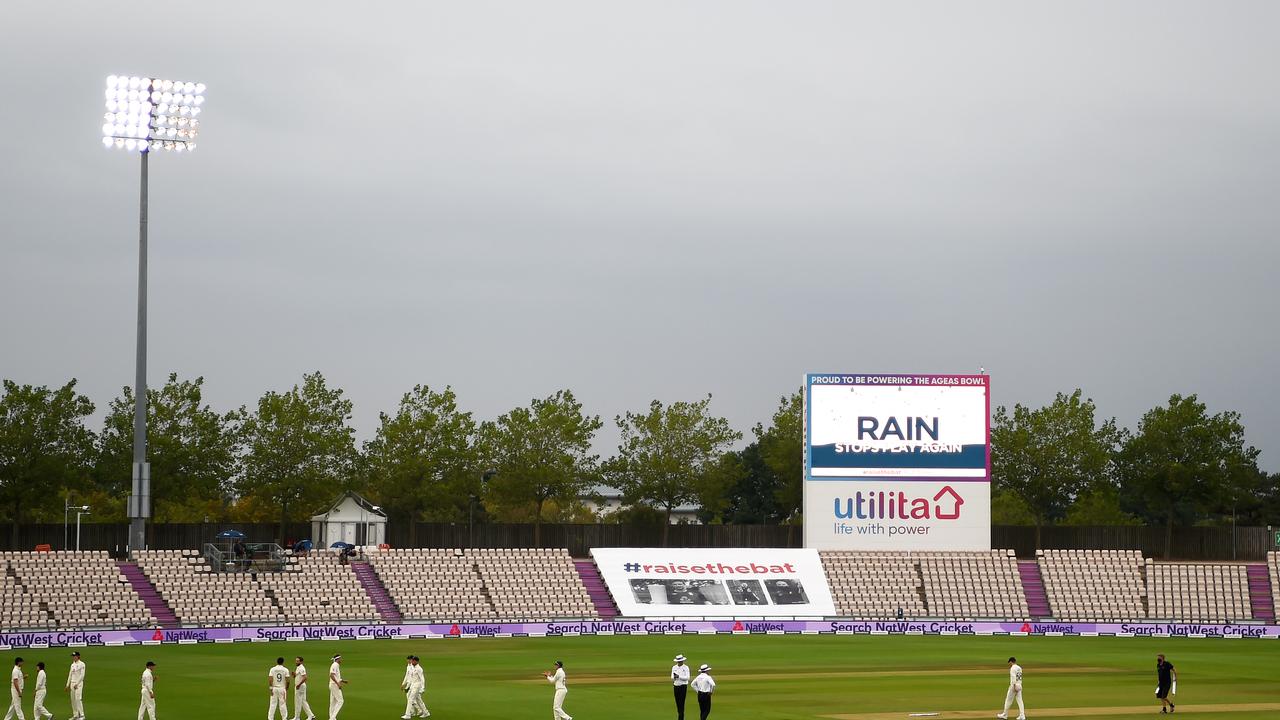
pixel 429 460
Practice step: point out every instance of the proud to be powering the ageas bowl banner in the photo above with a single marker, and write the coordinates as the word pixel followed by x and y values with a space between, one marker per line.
pixel 897 462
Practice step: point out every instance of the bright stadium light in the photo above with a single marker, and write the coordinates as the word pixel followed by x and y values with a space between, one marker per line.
pixel 144 115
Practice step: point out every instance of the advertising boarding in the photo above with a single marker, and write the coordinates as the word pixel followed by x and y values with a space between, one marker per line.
pixel 715 582
pixel 897 462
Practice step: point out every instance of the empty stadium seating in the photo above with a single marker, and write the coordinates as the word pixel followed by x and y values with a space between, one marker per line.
pixel 312 589
pixel 433 584
pixel 1094 585
pixel 67 589
pixel 973 585
pixel 1197 592
pixel 1273 570
pixel 533 584
pixel 874 586
pixel 483 584
pixel 315 589
pixel 199 596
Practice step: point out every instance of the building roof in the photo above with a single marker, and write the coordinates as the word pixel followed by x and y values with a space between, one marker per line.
pixel 360 501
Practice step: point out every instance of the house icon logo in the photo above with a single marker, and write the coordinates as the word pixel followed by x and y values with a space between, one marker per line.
pixel 455 630
pixel 737 626
pixel 158 636
pixel 947 508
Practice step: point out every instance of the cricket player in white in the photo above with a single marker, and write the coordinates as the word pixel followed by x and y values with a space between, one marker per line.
pixel 278 682
pixel 1015 691
pixel 421 685
pixel 557 703
pixel 300 704
pixel 414 684
pixel 148 705
pixel 41 691
pixel 17 680
pixel 75 686
pixel 335 687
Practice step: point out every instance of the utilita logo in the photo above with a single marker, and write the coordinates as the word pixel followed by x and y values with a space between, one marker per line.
pixel 896 505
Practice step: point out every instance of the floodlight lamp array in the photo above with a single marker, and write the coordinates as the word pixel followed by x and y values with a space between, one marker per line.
pixel 145 114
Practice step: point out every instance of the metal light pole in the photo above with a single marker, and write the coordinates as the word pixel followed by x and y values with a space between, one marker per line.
pixel 377 509
pixel 146 114
pixel 67 507
pixel 83 510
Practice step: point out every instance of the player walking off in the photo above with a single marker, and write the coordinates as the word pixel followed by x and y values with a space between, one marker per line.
pixel 335 687
pixel 414 684
pixel 300 704
pixel 704 685
pixel 75 686
pixel 557 702
pixel 680 684
pixel 1166 683
pixel 278 684
pixel 148 705
pixel 1015 691
pixel 17 680
pixel 42 690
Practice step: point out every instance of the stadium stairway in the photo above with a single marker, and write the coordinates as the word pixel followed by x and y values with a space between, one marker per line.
pixel 1033 587
pixel 160 610
pixel 377 592
pixel 596 590
pixel 1260 592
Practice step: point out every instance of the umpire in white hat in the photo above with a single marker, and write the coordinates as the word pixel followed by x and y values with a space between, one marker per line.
pixel 680 683
pixel 704 685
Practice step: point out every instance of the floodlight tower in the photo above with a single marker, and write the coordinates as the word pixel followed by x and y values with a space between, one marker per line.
pixel 146 114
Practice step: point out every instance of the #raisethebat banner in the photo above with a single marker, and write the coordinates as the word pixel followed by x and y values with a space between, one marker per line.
pixel 710 582
pixel 897 462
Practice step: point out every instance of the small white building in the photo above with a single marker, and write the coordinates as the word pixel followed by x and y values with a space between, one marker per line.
pixel 350 519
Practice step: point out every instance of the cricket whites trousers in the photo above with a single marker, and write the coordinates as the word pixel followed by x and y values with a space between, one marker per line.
pixel 148 705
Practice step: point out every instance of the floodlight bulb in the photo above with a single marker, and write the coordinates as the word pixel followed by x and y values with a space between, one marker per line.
pixel 199 100
pixel 179 147
pixel 112 80
pixel 168 85
pixel 129 144
pixel 107 142
pixel 200 88
pixel 195 111
pixel 106 129
pixel 119 142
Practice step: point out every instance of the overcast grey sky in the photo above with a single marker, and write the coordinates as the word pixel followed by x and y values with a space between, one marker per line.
pixel 655 199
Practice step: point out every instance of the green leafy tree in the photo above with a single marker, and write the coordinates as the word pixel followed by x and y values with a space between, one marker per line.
pixel 669 454
pixel 751 495
pixel 782 449
pixel 1099 506
pixel 45 449
pixel 542 454
pixel 422 462
pixel 193 451
pixel 1008 508
pixel 1046 457
pixel 1182 460
pixel 299 450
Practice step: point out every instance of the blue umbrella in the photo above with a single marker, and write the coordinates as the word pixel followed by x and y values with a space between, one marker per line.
pixel 230 535
pixel 341 546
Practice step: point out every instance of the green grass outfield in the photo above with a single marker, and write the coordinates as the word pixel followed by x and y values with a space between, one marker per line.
pixel 759 676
